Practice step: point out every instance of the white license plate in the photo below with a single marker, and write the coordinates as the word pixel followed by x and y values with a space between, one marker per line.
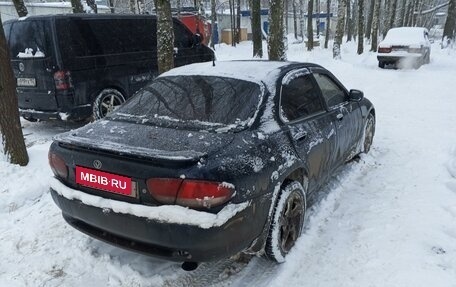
pixel 26 82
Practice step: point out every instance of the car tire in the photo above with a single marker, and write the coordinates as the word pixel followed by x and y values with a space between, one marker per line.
pixel 381 65
pixel 369 132
pixel 287 221
pixel 107 101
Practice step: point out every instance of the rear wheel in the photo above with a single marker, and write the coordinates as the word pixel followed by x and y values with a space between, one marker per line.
pixel 369 132
pixel 287 222
pixel 107 101
pixel 381 64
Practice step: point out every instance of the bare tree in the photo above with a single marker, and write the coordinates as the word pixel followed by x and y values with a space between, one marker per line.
pixel 213 21
pixel 339 28
pixel 20 8
pixel 392 14
pixel 295 19
pixel 375 25
pixel 77 6
pixel 256 29
pixel 310 26
pixel 276 44
pixel 349 26
pixel 165 36
pixel 12 138
pixel 328 22
pixel 111 6
pixel 360 27
pixel 370 17
pixel 450 25
pixel 238 21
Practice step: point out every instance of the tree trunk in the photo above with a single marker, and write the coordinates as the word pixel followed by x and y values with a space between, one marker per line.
pixel 401 20
pixel 165 36
pixel 328 22
pixel 276 45
pixel 257 35
pixel 232 22
pixel 301 18
pixel 111 6
pixel 409 15
pixel 386 17
pixel 20 8
pixel 310 25
pixel 354 21
pixel 339 28
pixel 11 135
pixel 369 20
pixel 450 25
pixel 375 25
pixel 178 7
pixel 213 22
pixel 360 27
pixel 238 22
pixel 392 14
pixel 349 21
pixel 77 6
pixel 295 20
pixel 92 5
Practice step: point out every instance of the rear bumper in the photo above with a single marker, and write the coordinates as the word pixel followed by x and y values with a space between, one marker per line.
pixel 395 58
pixel 74 114
pixel 172 241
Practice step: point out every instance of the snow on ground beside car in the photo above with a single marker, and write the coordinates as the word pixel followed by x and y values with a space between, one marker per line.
pixel 387 220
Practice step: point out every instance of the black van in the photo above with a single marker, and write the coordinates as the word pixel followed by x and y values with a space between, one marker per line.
pixel 72 67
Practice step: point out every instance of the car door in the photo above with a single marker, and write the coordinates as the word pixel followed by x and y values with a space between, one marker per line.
pixel 345 114
pixel 310 127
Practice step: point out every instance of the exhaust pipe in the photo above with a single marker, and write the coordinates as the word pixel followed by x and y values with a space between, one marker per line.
pixel 189 266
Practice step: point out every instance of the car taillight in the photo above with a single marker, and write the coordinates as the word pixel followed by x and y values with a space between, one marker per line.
pixel 384 49
pixel 414 50
pixel 58 166
pixel 190 193
pixel 62 80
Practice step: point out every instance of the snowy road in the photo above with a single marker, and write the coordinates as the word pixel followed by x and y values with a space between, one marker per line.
pixel 387 220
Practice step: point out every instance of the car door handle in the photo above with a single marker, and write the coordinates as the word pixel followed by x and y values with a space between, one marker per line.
pixel 299 136
pixel 340 117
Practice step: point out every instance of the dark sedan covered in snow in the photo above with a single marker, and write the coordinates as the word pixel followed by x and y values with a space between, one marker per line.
pixel 207 161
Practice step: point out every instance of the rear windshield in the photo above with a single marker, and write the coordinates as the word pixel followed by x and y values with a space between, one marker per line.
pixel 194 101
pixel 30 39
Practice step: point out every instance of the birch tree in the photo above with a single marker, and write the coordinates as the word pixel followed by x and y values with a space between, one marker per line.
pixel 328 22
pixel 339 28
pixel 370 17
pixel 11 137
pixel 20 8
pixel 276 45
pixel 165 36
pixel 256 29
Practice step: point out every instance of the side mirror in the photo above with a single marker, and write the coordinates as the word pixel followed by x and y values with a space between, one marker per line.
pixel 355 95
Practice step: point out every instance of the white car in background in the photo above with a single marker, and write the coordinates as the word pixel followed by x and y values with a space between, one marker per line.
pixel 405 47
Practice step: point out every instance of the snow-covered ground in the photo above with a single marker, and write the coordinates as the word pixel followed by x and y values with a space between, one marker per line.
pixel 387 220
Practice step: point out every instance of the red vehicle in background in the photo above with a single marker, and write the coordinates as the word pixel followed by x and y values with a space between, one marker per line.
pixel 195 22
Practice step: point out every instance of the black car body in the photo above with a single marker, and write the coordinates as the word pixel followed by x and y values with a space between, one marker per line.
pixel 70 67
pixel 252 134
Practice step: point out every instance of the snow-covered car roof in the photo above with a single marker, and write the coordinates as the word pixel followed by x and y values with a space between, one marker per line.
pixel 405 36
pixel 253 71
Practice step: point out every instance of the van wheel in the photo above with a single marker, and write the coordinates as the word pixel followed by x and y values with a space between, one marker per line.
pixel 287 222
pixel 107 101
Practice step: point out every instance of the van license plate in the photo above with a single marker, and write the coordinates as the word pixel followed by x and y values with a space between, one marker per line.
pixel 26 82
pixel 104 181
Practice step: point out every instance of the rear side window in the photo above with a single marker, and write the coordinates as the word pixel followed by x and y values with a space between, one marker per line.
pixel 332 93
pixel 94 37
pixel 300 98
pixel 29 39
pixel 182 37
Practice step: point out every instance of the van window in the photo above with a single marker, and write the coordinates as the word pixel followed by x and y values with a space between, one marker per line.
pixel 182 37
pixel 94 37
pixel 30 39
